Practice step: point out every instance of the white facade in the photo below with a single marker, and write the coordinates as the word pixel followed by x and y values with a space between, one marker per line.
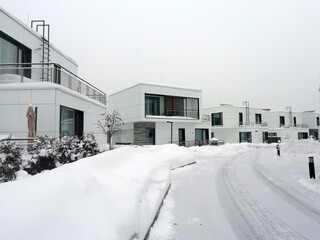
pixel 66 105
pixel 237 121
pixel 258 125
pixel 131 104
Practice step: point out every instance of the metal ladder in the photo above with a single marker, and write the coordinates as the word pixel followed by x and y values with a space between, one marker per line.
pixel 45 72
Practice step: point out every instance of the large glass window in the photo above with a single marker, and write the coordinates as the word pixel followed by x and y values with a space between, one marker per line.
pixel 12 51
pixel 217 119
pixel 245 137
pixel 156 105
pixel 201 135
pixel 71 122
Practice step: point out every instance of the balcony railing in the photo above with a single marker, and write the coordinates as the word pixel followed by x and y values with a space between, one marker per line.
pixel 183 113
pixel 253 124
pixel 51 72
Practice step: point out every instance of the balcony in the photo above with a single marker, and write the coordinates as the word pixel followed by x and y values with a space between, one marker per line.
pixel 253 124
pixel 51 72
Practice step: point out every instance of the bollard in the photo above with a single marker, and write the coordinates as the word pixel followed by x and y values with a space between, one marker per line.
pixel 311 168
pixel 278 149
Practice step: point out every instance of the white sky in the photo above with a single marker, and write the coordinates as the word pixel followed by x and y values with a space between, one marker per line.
pixel 266 52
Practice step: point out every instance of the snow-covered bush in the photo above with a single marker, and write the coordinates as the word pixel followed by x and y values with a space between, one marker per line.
pixel 44 155
pixel 10 160
pixel 89 145
pixel 68 149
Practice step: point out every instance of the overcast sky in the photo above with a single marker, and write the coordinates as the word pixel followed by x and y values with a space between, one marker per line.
pixel 266 52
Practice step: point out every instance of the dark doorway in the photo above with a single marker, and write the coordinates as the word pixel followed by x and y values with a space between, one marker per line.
pixel 182 137
pixel 151 136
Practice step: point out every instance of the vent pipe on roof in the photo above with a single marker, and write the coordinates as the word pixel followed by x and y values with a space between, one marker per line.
pixel 246 104
pixel 289 109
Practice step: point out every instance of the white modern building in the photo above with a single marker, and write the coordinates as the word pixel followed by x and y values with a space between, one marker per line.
pixel 159 114
pixel 34 72
pixel 258 125
pixel 237 124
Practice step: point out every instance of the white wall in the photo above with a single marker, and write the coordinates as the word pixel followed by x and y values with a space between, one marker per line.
pixel 14 104
pixel 130 102
pixel 310 118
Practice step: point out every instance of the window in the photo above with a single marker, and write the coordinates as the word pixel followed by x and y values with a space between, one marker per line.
pixel 202 135
pixel 272 134
pixel 302 135
pixel 71 122
pixel 294 121
pixel 12 51
pixel 152 105
pixel 282 121
pixel 258 118
pixel 245 137
pixel 217 119
pixel 318 121
pixel 240 119
pixel 156 105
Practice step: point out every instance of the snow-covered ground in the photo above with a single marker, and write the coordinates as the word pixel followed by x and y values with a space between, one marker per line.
pixel 234 191
pixel 243 191
pixel 114 195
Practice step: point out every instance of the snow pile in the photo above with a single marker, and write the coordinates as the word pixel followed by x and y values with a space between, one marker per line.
pixel 225 149
pixel 113 195
pixel 177 156
pixel 305 146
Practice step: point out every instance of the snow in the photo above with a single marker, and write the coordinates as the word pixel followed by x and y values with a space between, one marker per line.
pixel 234 191
pixel 113 195
pixel 244 191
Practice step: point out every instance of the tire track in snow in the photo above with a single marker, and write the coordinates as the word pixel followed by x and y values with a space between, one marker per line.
pixel 261 222
pixel 286 191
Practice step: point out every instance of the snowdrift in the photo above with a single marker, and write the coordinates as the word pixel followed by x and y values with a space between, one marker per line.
pixel 114 195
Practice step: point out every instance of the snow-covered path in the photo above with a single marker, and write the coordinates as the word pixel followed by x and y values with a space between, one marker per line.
pixel 237 197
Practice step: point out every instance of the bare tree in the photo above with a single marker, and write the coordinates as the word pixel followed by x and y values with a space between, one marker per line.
pixel 111 125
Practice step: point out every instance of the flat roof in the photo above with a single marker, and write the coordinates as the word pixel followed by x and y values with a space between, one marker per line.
pixel 157 85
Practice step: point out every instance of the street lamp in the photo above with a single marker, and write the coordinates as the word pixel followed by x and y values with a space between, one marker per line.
pixel 171 129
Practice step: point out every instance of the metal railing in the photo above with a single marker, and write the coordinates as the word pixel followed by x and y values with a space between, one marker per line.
pixel 253 124
pixel 191 143
pixel 51 72
pixel 183 113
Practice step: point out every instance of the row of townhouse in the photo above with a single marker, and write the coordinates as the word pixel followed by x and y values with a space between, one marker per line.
pixel 159 114
pixel 34 72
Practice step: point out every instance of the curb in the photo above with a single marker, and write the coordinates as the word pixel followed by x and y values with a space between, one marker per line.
pixel 157 214
pixel 188 164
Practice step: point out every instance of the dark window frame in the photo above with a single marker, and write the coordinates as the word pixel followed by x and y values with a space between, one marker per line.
pixel 78 121
pixel 167 101
pixel 258 118
pixel 213 119
pixel 240 118
pixel 26 53
pixel 248 137
pixel 282 120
